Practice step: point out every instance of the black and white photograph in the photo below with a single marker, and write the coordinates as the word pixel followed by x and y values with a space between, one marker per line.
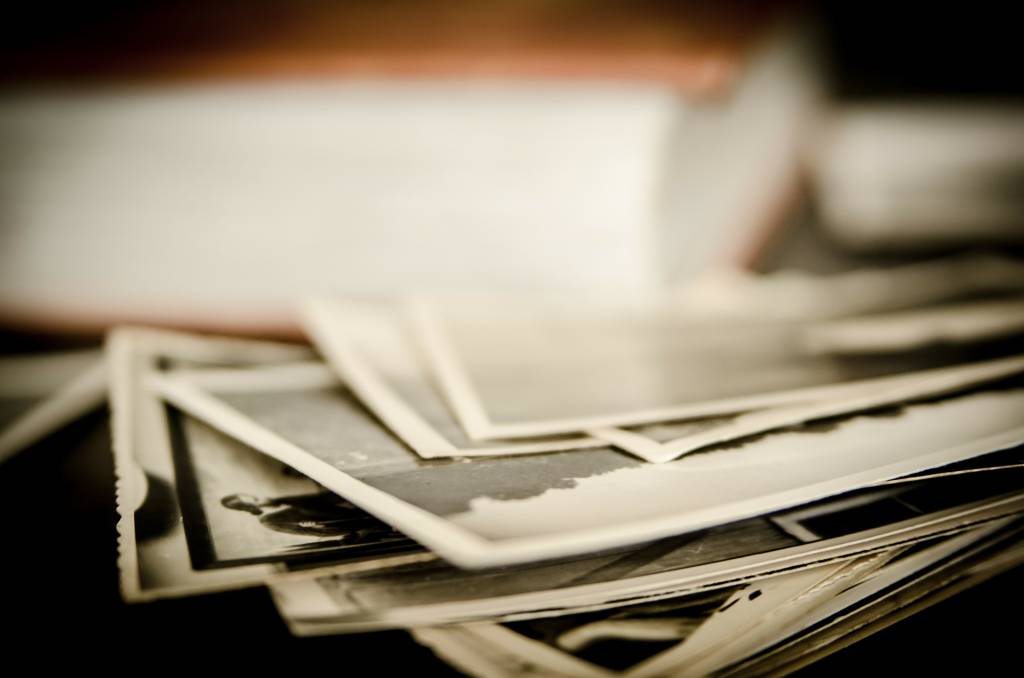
pixel 667 365
pixel 371 348
pixel 358 337
pixel 709 632
pixel 895 594
pixel 670 440
pixel 593 644
pixel 490 512
pixel 242 507
pixel 898 513
pixel 200 511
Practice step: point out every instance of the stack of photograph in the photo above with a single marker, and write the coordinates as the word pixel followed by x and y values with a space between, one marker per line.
pixel 735 478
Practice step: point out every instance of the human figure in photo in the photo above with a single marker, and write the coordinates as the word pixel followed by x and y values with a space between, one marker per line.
pixel 323 514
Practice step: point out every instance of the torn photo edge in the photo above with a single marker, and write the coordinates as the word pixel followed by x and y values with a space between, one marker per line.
pixel 84 390
pixel 141 441
pixel 467 549
pixel 310 610
pixel 468 405
pixel 328 323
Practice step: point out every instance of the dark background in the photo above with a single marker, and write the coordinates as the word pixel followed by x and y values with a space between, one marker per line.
pixel 936 51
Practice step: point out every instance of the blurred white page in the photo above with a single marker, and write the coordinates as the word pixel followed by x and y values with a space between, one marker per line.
pixel 224 204
pixel 918 175
pixel 221 205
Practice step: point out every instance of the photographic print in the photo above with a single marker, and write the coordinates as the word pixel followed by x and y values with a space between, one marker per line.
pixel 190 500
pixel 593 645
pixel 853 524
pixel 241 507
pixel 707 632
pixel 370 347
pixel 503 510
pixel 519 369
pixel 669 440
pixel 881 602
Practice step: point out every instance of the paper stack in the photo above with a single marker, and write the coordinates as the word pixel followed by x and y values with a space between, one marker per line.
pixel 732 480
